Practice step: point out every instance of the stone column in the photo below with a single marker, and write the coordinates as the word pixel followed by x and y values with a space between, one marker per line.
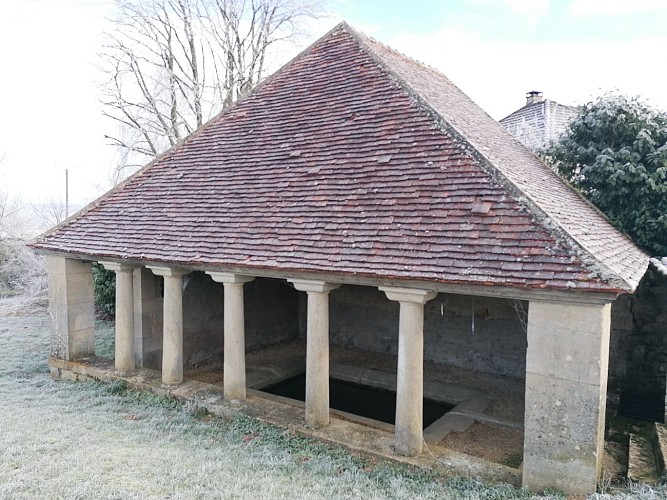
pixel 566 388
pixel 124 357
pixel 410 377
pixel 172 325
pixel 71 308
pixel 317 350
pixel 234 333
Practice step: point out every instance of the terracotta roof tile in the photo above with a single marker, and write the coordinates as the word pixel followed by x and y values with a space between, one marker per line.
pixel 353 159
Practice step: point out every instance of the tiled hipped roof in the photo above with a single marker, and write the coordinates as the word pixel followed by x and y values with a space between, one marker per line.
pixel 356 160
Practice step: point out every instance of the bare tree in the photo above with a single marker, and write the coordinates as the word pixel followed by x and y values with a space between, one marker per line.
pixel 173 64
pixel 21 270
pixel 49 211
pixel 11 215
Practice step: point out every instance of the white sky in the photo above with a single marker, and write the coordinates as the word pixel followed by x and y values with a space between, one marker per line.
pixel 494 50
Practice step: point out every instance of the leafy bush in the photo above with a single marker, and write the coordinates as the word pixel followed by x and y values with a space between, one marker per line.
pixel 615 153
pixel 104 290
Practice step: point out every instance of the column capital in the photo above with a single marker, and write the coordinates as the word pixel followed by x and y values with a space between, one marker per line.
pixel 314 286
pixel 412 295
pixel 229 278
pixel 119 267
pixel 170 272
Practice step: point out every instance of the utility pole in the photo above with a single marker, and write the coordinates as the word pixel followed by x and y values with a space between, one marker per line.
pixel 66 193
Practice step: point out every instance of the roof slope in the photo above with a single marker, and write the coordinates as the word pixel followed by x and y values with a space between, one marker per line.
pixel 354 159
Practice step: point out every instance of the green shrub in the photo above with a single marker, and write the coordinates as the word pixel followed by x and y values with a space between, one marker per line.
pixel 104 282
pixel 615 153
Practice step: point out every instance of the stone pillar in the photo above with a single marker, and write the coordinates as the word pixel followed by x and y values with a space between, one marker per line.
pixel 124 357
pixel 317 350
pixel 172 325
pixel 566 387
pixel 234 333
pixel 410 377
pixel 71 308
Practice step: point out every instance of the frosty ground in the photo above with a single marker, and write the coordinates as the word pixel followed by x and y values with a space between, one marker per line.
pixel 85 440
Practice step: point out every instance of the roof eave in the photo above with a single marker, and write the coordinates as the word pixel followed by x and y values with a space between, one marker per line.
pixel 488 289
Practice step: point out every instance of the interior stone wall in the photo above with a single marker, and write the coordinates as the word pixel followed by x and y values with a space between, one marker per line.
pixel 477 333
pixel 202 321
pixel 271 316
pixel 148 313
pixel 271 312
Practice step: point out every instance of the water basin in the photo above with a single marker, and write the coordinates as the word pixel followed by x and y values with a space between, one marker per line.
pixel 363 400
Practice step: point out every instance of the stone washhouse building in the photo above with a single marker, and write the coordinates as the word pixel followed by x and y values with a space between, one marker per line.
pixel 358 199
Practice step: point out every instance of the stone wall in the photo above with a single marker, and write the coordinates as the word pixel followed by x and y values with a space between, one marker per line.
pixel 148 292
pixel 493 342
pixel 271 312
pixel 271 316
pixel 638 348
pixel 202 321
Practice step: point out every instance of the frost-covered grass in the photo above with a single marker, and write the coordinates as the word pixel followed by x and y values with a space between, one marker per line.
pixel 633 491
pixel 104 339
pixel 87 440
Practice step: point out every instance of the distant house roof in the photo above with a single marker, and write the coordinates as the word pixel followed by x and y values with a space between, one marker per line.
pixel 356 160
pixel 539 122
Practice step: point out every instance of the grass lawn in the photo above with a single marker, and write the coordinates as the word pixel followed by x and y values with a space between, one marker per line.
pixel 85 440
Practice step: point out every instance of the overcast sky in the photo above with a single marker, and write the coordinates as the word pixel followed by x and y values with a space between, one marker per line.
pixel 494 50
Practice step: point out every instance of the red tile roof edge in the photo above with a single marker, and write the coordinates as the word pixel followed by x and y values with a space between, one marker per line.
pixel 292 271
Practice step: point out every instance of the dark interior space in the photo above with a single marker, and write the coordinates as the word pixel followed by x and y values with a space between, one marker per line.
pixel 369 402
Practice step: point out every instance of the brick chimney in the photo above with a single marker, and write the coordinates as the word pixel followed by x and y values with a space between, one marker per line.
pixel 533 96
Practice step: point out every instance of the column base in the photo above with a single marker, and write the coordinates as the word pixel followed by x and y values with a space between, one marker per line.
pixel 169 387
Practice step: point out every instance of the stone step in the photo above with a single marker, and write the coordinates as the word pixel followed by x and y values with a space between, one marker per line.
pixel 661 435
pixel 615 462
pixel 642 462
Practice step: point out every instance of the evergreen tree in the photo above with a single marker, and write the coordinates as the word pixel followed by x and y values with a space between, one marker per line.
pixel 615 153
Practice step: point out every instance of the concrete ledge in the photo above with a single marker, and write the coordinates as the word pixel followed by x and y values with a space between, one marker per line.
pixel 458 419
pixel 361 439
pixel 261 376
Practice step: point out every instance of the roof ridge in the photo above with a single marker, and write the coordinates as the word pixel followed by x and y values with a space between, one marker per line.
pixel 363 36
pixel 544 216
